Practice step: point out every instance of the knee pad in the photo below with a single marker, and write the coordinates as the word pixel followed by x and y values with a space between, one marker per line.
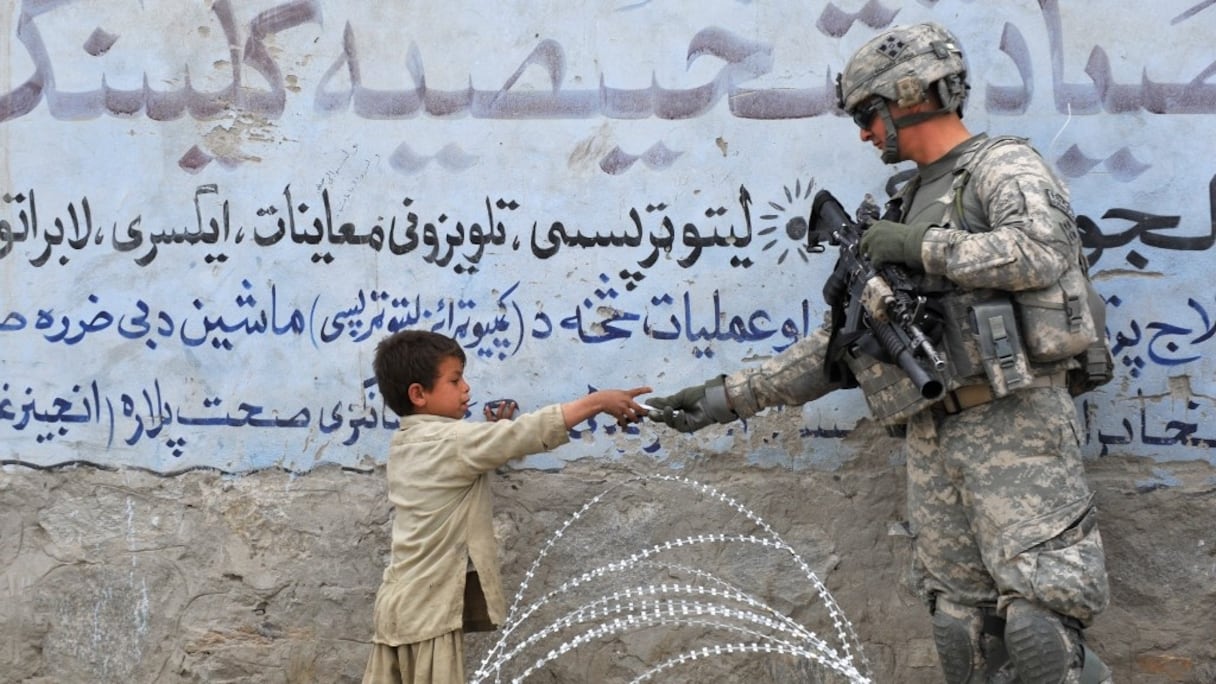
pixel 1042 648
pixel 956 633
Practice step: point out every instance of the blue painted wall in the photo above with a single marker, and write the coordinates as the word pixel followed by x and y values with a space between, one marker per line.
pixel 213 211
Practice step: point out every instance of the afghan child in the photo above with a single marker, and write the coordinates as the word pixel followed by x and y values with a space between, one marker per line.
pixel 443 576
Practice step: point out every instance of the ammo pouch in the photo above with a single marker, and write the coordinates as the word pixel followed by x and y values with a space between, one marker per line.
pixel 1002 353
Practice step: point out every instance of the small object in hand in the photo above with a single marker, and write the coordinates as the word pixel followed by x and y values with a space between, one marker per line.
pixel 652 409
pixel 500 408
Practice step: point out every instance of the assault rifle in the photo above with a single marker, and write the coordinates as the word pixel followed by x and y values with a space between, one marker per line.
pixel 882 301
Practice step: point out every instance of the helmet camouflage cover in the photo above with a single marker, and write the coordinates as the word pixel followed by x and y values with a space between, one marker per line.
pixel 901 64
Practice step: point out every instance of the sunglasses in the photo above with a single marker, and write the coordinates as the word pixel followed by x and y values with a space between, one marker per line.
pixel 863 116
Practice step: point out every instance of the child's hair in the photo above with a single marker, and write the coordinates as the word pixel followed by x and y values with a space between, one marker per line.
pixel 407 357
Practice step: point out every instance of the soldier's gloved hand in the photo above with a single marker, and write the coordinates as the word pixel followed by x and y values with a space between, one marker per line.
pixel 888 242
pixel 693 408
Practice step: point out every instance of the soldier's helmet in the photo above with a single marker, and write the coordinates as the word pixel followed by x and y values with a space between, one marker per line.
pixel 901 65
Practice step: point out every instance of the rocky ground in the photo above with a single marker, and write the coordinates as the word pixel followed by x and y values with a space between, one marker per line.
pixel 127 576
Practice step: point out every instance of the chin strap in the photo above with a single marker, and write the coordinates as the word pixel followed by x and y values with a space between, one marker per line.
pixel 890 144
pixel 890 149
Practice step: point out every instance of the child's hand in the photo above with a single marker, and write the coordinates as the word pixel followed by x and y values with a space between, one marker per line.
pixel 500 409
pixel 617 403
pixel 622 405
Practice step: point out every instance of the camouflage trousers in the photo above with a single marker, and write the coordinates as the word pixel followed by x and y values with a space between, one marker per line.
pixel 1000 509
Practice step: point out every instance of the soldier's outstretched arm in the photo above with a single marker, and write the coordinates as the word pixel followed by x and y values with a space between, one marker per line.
pixel 795 376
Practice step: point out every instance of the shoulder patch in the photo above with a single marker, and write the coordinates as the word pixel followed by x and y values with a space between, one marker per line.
pixel 1057 200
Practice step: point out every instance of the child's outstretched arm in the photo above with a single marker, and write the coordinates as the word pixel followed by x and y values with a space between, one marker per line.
pixel 619 404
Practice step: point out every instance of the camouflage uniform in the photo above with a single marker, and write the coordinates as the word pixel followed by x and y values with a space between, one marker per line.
pixel 997 494
pixel 997 498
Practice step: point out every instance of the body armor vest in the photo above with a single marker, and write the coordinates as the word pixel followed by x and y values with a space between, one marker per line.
pixel 990 337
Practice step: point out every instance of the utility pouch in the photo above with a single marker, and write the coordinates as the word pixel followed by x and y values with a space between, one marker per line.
pixel 1097 363
pixel 1001 351
pixel 1097 369
pixel 1057 320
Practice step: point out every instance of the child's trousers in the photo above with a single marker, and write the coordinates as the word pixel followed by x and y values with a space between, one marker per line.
pixel 437 661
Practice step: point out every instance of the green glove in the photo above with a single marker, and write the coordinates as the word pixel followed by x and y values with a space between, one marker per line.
pixel 887 242
pixel 693 408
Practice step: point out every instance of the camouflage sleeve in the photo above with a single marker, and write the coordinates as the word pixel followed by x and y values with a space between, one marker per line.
pixel 795 376
pixel 1033 236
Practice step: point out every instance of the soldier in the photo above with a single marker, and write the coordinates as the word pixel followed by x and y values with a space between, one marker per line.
pixel 1007 551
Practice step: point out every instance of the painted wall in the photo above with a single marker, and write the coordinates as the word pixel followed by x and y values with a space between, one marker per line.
pixel 212 211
